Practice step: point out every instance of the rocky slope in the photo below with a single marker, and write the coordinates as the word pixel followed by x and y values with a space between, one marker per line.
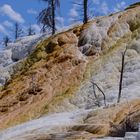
pixel 56 81
pixel 14 53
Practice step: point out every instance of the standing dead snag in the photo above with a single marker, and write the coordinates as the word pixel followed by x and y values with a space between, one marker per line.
pixel 6 40
pixel 85 7
pixel 83 10
pixel 47 16
pixel 121 76
pixel 18 30
pixel 94 84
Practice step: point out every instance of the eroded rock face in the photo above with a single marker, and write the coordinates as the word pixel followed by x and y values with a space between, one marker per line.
pixel 58 76
pixel 59 70
pixel 105 70
pixel 106 31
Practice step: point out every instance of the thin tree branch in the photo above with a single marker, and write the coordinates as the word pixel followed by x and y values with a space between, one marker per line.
pixel 100 91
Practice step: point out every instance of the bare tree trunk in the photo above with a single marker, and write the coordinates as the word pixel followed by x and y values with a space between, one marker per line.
pixel 6 40
pixel 53 17
pixel 85 2
pixel 16 30
pixel 121 76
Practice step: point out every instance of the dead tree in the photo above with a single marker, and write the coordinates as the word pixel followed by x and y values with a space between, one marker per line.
pixel 94 84
pixel 83 10
pixel 48 15
pixel 121 76
pixel 85 7
pixel 30 31
pixel 6 40
pixel 18 30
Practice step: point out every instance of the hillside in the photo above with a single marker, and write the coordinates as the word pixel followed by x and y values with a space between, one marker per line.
pixel 47 89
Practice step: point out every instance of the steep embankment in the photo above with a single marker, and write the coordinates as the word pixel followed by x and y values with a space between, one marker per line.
pixel 58 76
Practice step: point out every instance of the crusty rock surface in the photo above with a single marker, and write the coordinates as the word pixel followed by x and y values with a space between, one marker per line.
pixel 55 81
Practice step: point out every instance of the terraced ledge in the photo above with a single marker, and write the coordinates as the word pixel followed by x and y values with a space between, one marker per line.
pixel 128 136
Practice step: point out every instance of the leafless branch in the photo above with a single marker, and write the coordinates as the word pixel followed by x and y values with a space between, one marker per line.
pixel 100 91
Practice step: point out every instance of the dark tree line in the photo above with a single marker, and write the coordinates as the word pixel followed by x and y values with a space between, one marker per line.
pixel 47 19
pixel 18 32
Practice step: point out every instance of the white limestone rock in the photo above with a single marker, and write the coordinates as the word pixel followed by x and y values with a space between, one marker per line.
pixel 23 47
pixel 92 38
pixel 11 56
pixel 5 57
pixel 135 45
